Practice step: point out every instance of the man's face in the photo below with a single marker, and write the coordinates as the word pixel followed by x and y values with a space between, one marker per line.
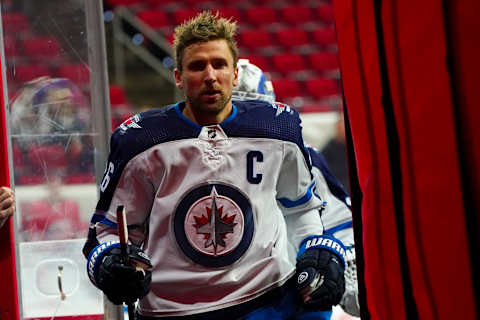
pixel 208 76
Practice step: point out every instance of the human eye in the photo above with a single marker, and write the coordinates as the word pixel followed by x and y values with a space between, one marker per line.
pixel 219 64
pixel 196 65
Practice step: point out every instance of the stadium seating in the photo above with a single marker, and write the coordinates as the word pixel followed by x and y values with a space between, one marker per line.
pixel 259 16
pixel 11 47
pixel 117 95
pixel 42 47
pixel 14 22
pixel 326 13
pixel 322 61
pixel 292 37
pixel 24 73
pixel 321 88
pixel 77 72
pixel 259 60
pixel 115 3
pixel 181 15
pixel 288 63
pixel 296 14
pixel 156 4
pixel 286 88
pixel 256 40
pixel 228 12
pixel 47 156
pixel 155 19
pixel 324 36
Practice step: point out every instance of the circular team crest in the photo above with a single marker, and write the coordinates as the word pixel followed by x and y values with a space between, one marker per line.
pixel 214 225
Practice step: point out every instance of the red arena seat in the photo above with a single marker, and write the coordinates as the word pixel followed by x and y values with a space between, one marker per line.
pixel 77 72
pixel 43 47
pixel 296 14
pixel 182 15
pixel 24 73
pixel 326 13
pixel 155 19
pixel 116 3
pixel 261 16
pixel 14 22
pixel 320 88
pixel 287 63
pixel 255 39
pixel 47 157
pixel 117 95
pixel 11 47
pixel 324 36
pixel 286 88
pixel 260 61
pixel 323 61
pixel 292 37
pixel 231 12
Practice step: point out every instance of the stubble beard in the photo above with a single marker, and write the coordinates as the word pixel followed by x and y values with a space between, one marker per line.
pixel 211 109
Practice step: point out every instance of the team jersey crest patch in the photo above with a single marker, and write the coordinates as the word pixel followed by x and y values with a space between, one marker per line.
pixel 131 122
pixel 214 225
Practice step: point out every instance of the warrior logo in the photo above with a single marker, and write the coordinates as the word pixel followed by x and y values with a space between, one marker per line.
pixel 214 225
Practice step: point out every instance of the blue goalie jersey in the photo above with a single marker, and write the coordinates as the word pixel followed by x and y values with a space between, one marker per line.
pixel 220 209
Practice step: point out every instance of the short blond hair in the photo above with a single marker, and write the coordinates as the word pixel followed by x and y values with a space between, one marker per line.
pixel 206 26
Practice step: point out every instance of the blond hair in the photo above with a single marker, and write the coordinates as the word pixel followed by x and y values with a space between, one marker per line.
pixel 206 26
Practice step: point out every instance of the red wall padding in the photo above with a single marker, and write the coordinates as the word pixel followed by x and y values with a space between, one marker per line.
pixel 8 278
pixel 414 37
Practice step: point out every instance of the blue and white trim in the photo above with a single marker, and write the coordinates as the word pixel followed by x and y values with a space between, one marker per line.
pixel 96 257
pixel 287 203
pixel 323 242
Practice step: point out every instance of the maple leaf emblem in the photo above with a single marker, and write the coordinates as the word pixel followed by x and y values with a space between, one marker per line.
pixel 215 225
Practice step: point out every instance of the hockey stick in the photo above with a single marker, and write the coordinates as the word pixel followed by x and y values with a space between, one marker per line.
pixel 123 235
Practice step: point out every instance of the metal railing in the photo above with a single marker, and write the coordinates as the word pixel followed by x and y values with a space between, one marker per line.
pixel 122 40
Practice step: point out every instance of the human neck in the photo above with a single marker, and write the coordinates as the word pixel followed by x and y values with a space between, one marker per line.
pixel 204 119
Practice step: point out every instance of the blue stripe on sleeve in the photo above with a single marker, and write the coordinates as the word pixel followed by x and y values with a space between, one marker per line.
pixel 342 226
pixel 287 203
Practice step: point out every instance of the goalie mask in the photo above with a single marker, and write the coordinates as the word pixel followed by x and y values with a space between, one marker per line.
pixel 252 83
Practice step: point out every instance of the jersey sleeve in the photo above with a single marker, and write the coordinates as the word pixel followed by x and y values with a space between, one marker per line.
pixel 126 181
pixel 336 215
pixel 296 198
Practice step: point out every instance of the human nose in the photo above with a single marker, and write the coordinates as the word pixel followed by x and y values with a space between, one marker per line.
pixel 210 74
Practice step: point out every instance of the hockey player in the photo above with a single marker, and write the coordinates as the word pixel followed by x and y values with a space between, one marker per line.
pixel 222 220
pixel 336 215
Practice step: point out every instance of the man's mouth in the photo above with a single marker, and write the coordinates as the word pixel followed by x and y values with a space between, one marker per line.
pixel 211 92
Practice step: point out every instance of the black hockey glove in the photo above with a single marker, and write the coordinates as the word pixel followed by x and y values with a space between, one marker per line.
pixel 320 272
pixel 119 281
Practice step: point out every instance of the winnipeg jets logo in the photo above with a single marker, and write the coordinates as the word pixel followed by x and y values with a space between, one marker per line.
pixel 214 225
pixel 281 107
pixel 131 122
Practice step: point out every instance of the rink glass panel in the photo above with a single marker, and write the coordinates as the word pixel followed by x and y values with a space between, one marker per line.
pixel 52 132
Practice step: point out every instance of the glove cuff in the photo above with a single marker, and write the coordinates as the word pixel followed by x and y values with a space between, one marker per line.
pixel 96 257
pixel 327 242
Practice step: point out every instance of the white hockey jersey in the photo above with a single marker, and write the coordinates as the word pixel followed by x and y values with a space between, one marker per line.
pixel 220 209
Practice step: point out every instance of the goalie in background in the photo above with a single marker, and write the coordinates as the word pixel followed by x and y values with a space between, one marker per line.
pixel 336 215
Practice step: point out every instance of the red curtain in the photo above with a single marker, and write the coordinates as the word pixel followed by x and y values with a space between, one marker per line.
pixel 408 71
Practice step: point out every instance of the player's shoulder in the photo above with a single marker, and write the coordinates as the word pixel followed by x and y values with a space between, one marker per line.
pixel 146 129
pixel 270 120
pixel 273 111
